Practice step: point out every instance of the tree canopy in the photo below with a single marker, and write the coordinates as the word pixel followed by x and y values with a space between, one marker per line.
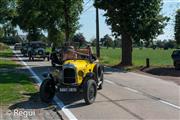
pixel 177 27
pixel 79 38
pixel 37 15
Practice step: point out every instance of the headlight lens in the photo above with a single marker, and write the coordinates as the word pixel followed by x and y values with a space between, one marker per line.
pixel 81 73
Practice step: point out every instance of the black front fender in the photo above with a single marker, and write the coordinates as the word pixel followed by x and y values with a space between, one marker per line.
pixel 47 75
pixel 88 76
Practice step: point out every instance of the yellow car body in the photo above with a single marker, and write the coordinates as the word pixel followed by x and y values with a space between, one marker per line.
pixel 81 68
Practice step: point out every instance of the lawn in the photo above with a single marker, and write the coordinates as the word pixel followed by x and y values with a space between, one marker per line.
pixel 158 57
pixel 12 84
pixel 5 59
pixel 6 53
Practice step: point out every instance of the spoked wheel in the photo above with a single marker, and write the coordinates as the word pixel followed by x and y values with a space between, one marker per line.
pixel 90 91
pixel 47 90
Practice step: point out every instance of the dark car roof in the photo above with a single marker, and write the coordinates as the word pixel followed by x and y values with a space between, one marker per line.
pixel 35 42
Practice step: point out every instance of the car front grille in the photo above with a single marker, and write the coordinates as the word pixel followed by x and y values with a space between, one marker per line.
pixel 69 75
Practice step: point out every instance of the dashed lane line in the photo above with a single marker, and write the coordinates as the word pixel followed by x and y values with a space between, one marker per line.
pixel 143 93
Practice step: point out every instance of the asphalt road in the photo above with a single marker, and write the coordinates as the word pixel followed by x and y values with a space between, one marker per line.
pixel 124 96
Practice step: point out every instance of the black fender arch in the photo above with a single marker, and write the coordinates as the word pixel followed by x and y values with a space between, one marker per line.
pixel 88 76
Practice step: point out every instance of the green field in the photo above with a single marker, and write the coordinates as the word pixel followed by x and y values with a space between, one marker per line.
pixel 158 57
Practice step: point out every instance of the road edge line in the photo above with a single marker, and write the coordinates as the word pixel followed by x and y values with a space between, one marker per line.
pixel 60 104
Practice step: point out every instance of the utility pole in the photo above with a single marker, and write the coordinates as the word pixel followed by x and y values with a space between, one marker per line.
pixel 97 33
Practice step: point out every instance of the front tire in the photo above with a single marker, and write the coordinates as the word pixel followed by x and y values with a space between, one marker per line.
pixel 99 75
pixel 90 91
pixel 177 66
pixel 47 90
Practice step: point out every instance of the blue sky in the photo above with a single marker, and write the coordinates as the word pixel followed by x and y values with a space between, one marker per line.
pixel 88 20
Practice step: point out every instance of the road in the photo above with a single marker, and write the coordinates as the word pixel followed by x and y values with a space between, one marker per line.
pixel 125 95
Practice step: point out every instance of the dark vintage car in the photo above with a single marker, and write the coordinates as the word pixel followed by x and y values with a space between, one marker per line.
pixel 176 58
pixel 17 46
pixel 37 49
pixel 24 49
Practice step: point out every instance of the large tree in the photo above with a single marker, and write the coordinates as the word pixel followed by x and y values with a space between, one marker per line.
pixel 27 18
pixel 53 16
pixel 79 38
pixel 133 20
pixel 177 27
pixel 107 41
pixel 7 13
pixel 7 10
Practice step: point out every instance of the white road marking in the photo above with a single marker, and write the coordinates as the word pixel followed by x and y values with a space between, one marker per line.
pixel 110 82
pixel 175 106
pixel 60 104
pixel 130 89
pixel 136 91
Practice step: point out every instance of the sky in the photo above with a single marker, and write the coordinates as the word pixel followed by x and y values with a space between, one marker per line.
pixel 88 20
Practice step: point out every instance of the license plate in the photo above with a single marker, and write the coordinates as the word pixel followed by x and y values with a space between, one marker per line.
pixel 68 89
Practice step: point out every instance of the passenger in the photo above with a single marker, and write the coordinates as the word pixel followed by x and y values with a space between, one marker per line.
pixel 90 52
pixel 69 53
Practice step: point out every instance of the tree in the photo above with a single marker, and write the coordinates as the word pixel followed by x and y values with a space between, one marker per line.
pixel 57 16
pixel 160 44
pixel 133 20
pixel 170 44
pixel 79 38
pixel 177 27
pixel 1 33
pixel 7 10
pixel 93 42
pixel 117 43
pixel 27 18
pixel 107 41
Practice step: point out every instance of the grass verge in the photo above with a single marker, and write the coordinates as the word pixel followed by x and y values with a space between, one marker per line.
pixel 13 85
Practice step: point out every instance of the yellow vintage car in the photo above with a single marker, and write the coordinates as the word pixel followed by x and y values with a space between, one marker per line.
pixel 80 75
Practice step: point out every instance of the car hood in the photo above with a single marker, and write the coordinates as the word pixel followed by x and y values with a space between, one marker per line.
pixel 80 64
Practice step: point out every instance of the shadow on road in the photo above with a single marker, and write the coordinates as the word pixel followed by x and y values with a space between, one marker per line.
pixel 27 60
pixel 163 71
pixel 33 102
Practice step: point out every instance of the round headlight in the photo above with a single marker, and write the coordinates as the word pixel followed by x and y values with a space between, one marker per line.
pixel 81 73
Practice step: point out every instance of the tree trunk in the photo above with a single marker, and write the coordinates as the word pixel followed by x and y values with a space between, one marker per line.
pixel 126 50
pixel 66 16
